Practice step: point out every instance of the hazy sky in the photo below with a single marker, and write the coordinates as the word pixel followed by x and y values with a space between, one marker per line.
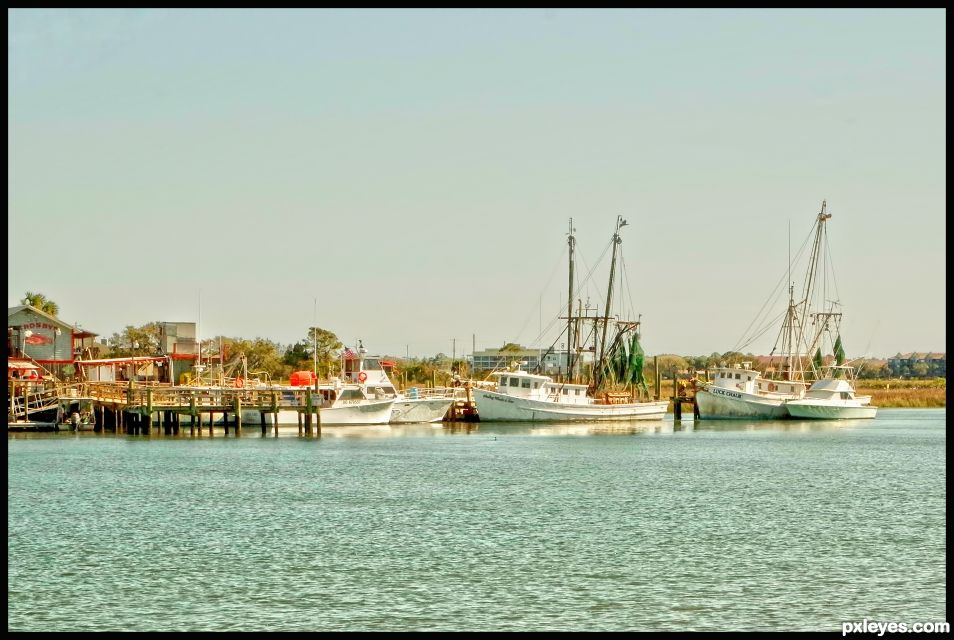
pixel 415 170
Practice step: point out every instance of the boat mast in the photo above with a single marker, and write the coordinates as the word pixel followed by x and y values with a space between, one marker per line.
pixel 620 223
pixel 823 217
pixel 569 316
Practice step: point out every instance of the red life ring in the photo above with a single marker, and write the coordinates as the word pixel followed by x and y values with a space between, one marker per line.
pixel 362 376
pixel 239 383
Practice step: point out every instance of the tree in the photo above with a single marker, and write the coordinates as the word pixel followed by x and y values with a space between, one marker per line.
pixel 511 346
pixel 136 341
pixel 41 302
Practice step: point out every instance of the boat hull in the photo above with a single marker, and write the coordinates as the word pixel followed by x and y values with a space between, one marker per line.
pixel 421 410
pixel 378 412
pixel 725 404
pixel 819 411
pixel 493 406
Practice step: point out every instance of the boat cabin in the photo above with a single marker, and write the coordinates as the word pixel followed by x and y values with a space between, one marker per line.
pixel 522 384
pixel 835 383
pixel 369 371
pixel 741 377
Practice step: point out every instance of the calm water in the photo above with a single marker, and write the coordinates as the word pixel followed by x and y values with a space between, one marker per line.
pixel 784 525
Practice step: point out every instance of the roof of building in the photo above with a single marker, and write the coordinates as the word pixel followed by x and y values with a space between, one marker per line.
pixel 919 355
pixel 77 331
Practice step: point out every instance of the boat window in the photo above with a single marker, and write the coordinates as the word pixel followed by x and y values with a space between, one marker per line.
pixel 514 382
pixel 371 364
pixel 526 383
pixel 351 394
pixel 566 391
pixel 536 385
pixel 577 391
pixel 736 376
pixel 845 395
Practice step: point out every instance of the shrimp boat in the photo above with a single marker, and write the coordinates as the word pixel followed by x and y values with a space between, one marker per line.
pixel 740 392
pixel 611 394
pixel 371 373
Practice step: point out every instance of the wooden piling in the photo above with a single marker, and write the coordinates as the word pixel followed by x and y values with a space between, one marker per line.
pixel 275 412
pixel 148 410
pixel 658 381
pixel 308 415
pixel 238 416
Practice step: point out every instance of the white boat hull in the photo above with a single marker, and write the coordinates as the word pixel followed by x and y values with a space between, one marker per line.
pixel 376 412
pixel 719 403
pixel 493 406
pixel 821 411
pixel 420 410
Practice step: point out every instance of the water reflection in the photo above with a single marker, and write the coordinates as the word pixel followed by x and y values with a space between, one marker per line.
pixel 797 426
pixel 424 429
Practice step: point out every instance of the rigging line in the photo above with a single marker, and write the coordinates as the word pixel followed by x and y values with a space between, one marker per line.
pixel 831 263
pixel 773 296
pixel 591 271
pixel 625 292
pixel 530 313
pixel 767 326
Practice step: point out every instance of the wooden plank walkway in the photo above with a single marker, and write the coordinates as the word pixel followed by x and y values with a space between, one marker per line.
pixel 133 407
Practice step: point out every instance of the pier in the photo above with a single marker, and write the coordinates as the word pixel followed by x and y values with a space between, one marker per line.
pixel 140 407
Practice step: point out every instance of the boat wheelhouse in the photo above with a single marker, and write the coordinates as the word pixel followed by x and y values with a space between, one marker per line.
pixel 418 405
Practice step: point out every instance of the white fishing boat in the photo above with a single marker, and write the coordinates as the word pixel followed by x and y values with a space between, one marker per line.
pixel 738 391
pixel 521 396
pixel 616 381
pixel 417 405
pixel 338 403
pixel 832 397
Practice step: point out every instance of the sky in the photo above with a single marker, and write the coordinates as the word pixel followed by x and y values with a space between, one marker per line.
pixel 407 177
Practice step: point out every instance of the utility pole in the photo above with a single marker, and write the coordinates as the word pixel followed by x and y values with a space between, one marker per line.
pixel 314 333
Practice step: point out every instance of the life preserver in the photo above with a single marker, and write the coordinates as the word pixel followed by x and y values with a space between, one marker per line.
pixel 362 376
pixel 31 375
pixel 239 383
pixel 772 386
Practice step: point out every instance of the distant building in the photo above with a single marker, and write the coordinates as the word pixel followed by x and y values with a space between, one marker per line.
pixel 918 364
pixel 554 362
pixel 177 338
pixel 177 341
pixel 49 341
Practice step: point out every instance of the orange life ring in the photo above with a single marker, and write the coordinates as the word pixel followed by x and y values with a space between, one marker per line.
pixel 362 376
pixel 239 383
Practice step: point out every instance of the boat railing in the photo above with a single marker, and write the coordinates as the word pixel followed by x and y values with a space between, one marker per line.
pixel 434 393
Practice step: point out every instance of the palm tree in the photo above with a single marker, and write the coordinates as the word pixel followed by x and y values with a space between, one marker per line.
pixel 41 302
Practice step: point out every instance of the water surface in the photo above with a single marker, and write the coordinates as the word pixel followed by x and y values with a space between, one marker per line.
pixel 714 526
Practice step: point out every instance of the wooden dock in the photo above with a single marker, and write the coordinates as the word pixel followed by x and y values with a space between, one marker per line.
pixel 140 407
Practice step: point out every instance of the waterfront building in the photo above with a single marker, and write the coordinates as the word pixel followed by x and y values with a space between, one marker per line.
pixel 51 342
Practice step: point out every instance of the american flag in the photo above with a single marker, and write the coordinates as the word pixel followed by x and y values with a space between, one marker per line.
pixel 348 353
